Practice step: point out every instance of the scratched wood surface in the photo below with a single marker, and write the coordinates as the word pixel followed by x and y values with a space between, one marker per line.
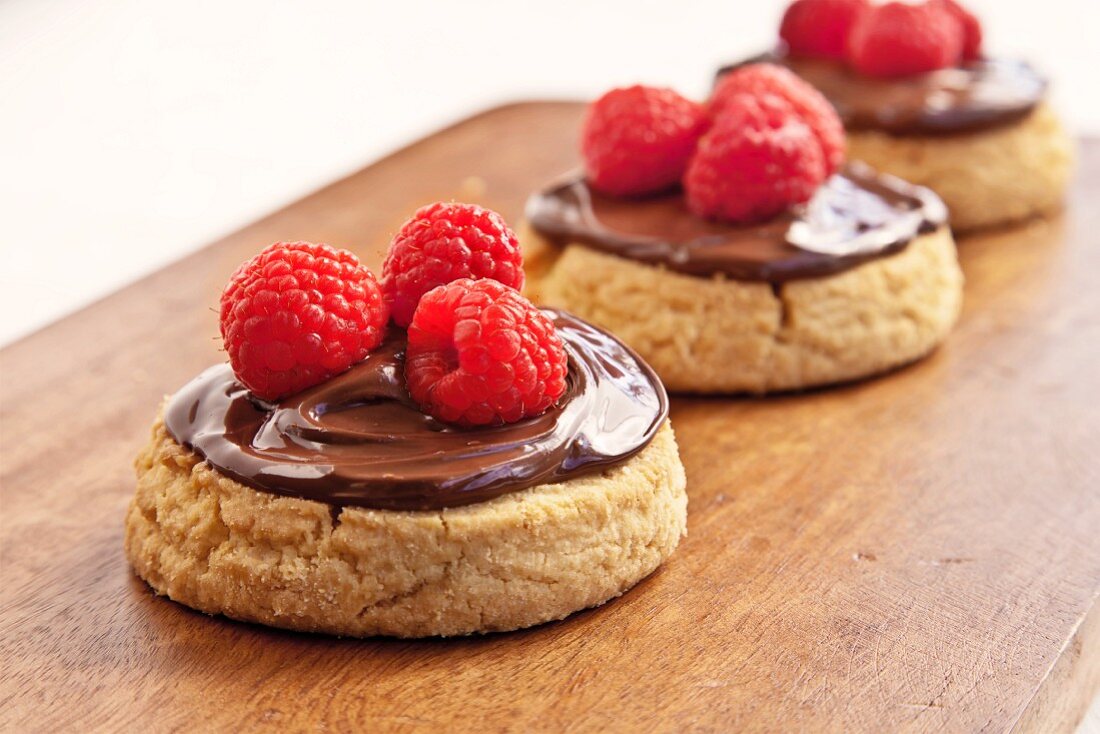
pixel 915 553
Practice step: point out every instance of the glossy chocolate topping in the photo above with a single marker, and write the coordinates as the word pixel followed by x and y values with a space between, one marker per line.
pixel 974 96
pixel 855 216
pixel 358 439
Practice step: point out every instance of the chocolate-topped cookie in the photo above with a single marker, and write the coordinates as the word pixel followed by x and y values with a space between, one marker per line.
pixel 769 266
pixel 484 466
pixel 931 107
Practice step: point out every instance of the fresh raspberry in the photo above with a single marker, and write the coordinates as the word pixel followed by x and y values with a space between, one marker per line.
pixel 810 104
pixel 897 39
pixel 638 140
pixel 819 28
pixel 479 354
pixel 971 27
pixel 757 160
pixel 297 314
pixel 444 242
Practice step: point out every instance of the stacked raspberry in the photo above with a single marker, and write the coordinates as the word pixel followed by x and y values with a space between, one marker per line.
pixel 885 40
pixel 765 141
pixel 478 353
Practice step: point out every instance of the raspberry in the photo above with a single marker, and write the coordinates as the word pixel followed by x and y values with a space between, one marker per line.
pixel 819 28
pixel 638 140
pixel 810 104
pixel 444 242
pixel 758 159
pixel 480 354
pixel 297 314
pixel 897 39
pixel 971 27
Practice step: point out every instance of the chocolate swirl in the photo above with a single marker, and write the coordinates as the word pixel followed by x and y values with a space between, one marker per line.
pixel 358 439
pixel 857 215
pixel 975 95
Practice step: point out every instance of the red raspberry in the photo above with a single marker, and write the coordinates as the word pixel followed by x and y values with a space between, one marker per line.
pixel 638 140
pixel 897 39
pixel 758 159
pixel 819 28
pixel 807 102
pixel 972 29
pixel 444 242
pixel 297 314
pixel 479 354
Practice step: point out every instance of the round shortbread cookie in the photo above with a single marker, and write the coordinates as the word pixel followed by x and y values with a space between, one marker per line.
pixel 527 557
pixel 989 177
pixel 716 335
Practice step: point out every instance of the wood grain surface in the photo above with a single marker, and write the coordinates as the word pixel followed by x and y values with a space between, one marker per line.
pixel 914 553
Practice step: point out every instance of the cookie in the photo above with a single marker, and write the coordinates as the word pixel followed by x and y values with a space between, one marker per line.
pixel 720 335
pixel 978 130
pixel 988 177
pixel 527 557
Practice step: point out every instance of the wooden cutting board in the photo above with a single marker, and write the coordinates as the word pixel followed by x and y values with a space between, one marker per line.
pixel 918 552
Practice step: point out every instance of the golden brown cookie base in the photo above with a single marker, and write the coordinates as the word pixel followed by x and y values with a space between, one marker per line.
pixel 987 178
pixel 211 543
pixel 714 335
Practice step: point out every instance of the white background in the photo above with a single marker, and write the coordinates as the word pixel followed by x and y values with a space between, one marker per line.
pixel 133 131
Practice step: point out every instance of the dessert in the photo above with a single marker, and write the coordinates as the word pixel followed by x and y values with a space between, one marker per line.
pixel 920 100
pixel 773 266
pixel 490 467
